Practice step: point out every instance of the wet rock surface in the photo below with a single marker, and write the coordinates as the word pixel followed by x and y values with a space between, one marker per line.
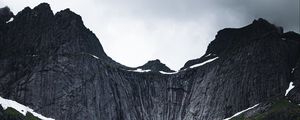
pixel 55 65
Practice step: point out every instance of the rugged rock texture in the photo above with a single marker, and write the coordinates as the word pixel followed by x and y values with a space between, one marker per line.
pixel 294 94
pixel 156 66
pixel 256 64
pixel 55 65
pixel 5 15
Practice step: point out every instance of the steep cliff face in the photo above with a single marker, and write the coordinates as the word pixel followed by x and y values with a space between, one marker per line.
pixel 254 64
pixel 294 94
pixel 55 65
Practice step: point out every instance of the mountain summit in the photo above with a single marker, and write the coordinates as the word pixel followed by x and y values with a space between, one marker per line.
pixel 156 66
pixel 38 31
pixel 53 64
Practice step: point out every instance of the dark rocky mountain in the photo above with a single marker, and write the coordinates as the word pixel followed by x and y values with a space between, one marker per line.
pixel 56 66
pixel 5 15
pixel 155 66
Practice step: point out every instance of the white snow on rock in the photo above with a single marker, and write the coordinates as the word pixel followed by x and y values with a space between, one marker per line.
pixel 95 56
pixel 11 19
pixel 208 55
pixel 203 63
pixel 5 103
pixel 241 112
pixel 291 86
pixel 142 71
pixel 293 70
pixel 139 70
pixel 163 72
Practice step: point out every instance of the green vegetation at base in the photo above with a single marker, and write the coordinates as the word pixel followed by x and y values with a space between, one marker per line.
pixel 30 116
pixel 279 110
pixel 13 114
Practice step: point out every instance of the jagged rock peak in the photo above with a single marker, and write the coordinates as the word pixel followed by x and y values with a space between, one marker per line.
pixel 43 7
pixel 56 67
pixel 42 32
pixel 262 21
pixel 229 38
pixel 43 11
pixel 5 14
pixel 68 17
pixel 155 66
pixel 265 25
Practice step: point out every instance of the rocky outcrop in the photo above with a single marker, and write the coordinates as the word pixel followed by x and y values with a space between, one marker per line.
pixel 155 66
pixel 5 15
pixel 55 65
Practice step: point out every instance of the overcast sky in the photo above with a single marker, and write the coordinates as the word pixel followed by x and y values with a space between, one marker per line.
pixel 174 31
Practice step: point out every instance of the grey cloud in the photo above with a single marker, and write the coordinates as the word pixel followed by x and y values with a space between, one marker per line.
pixel 282 12
pixel 201 17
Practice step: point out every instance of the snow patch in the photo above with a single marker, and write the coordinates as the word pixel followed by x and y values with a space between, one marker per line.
pixel 208 55
pixel 293 70
pixel 33 55
pixel 11 19
pixel 5 103
pixel 94 56
pixel 139 70
pixel 291 86
pixel 163 72
pixel 241 112
pixel 203 63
